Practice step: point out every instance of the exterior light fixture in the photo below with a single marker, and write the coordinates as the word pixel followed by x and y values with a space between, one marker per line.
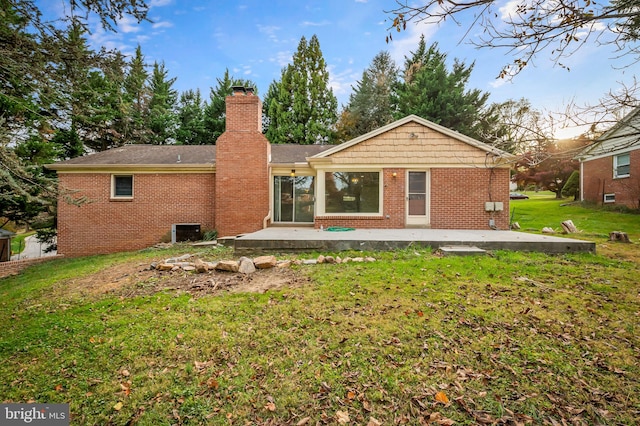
pixel 394 174
pixel 293 172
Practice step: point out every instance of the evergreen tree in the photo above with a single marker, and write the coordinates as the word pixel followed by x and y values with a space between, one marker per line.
pixel 215 110
pixel 431 91
pixel 191 130
pixel 136 100
pixel 303 109
pixel 370 104
pixel 162 119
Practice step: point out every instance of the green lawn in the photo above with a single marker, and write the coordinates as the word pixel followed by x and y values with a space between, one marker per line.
pixel 17 242
pixel 413 338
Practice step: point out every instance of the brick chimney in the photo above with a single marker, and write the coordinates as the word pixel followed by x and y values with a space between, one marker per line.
pixel 244 110
pixel 242 167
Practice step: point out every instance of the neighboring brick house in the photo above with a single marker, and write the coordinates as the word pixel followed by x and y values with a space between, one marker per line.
pixel 410 173
pixel 610 168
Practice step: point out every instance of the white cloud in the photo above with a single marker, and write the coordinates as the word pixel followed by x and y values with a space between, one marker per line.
pixel 401 47
pixel 270 31
pixel 282 58
pixel 159 3
pixel 162 24
pixel 315 24
pixel 128 24
pixel 509 9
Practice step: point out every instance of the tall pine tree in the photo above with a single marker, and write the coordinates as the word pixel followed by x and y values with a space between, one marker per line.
pixel 191 130
pixel 136 100
pixel 370 104
pixel 431 91
pixel 302 108
pixel 215 110
pixel 162 120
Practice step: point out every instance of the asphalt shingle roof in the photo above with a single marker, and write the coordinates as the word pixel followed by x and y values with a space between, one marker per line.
pixel 148 155
pixel 185 154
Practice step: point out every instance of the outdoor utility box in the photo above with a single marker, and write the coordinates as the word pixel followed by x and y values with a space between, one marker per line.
pixel 185 232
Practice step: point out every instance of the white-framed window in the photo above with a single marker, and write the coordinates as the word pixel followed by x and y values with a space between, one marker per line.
pixel 610 198
pixel 122 186
pixel 621 165
pixel 352 192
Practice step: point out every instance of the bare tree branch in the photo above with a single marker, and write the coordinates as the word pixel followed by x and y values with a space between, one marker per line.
pixel 528 27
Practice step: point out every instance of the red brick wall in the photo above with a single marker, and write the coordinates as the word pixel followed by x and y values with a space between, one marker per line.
pixel 242 173
pixel 458 197
pixel 457 201
pixel 598 180
pixel 14 267
pixel 106 226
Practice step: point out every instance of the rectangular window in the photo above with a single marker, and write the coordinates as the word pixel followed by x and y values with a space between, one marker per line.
pixel 621 165
pixel 352 192
pixel 122 186
pixel 609 198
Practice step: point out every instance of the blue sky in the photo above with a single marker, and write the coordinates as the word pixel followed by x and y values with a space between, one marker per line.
pixel 255 39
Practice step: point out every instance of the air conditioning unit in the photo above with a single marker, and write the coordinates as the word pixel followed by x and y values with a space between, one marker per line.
pixel 185 232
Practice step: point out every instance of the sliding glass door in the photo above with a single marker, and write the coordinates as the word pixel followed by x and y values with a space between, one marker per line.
pixel 293 199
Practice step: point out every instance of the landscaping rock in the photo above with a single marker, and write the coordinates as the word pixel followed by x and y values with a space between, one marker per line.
pixel 188 268
pixel 329 259
pixel 201 266
pixel 369 259
pixel 283 264
pixel 265 262
pixel 228 266
pixel 246 266
pixel 547 230
pixel 178 259
pixel 310 261
pixel 320 259
pixel 164 267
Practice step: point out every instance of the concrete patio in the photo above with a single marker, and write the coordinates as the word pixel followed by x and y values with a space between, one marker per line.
pixel 275 239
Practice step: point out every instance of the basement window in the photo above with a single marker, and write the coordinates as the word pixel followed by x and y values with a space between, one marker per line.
pixel 609 198
pixel 621 165
pixel 122 186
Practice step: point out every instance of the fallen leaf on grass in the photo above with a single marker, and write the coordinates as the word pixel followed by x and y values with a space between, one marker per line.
pixel 58 388
pixel 304 421
pixel 118 406
pixel 437 418
pixel 373 422
pixel 351 395
pixel 270 406
pixel 212 383
pixel 442 397
pixel 342 417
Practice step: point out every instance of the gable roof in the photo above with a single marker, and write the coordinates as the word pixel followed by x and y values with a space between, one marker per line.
pixel 622 136
pixel 421 121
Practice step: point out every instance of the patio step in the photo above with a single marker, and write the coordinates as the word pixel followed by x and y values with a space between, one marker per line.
pixel 461 250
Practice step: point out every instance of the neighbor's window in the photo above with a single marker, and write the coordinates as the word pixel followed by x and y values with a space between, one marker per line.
pixel 609 198
pixel 352 192
pixel 621 165
pixel 122 186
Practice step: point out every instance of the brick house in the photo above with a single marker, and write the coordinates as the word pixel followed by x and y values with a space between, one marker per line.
pixel 410 173
pixel 610 168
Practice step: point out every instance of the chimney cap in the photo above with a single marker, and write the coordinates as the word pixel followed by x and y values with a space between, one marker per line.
pixel 238 89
